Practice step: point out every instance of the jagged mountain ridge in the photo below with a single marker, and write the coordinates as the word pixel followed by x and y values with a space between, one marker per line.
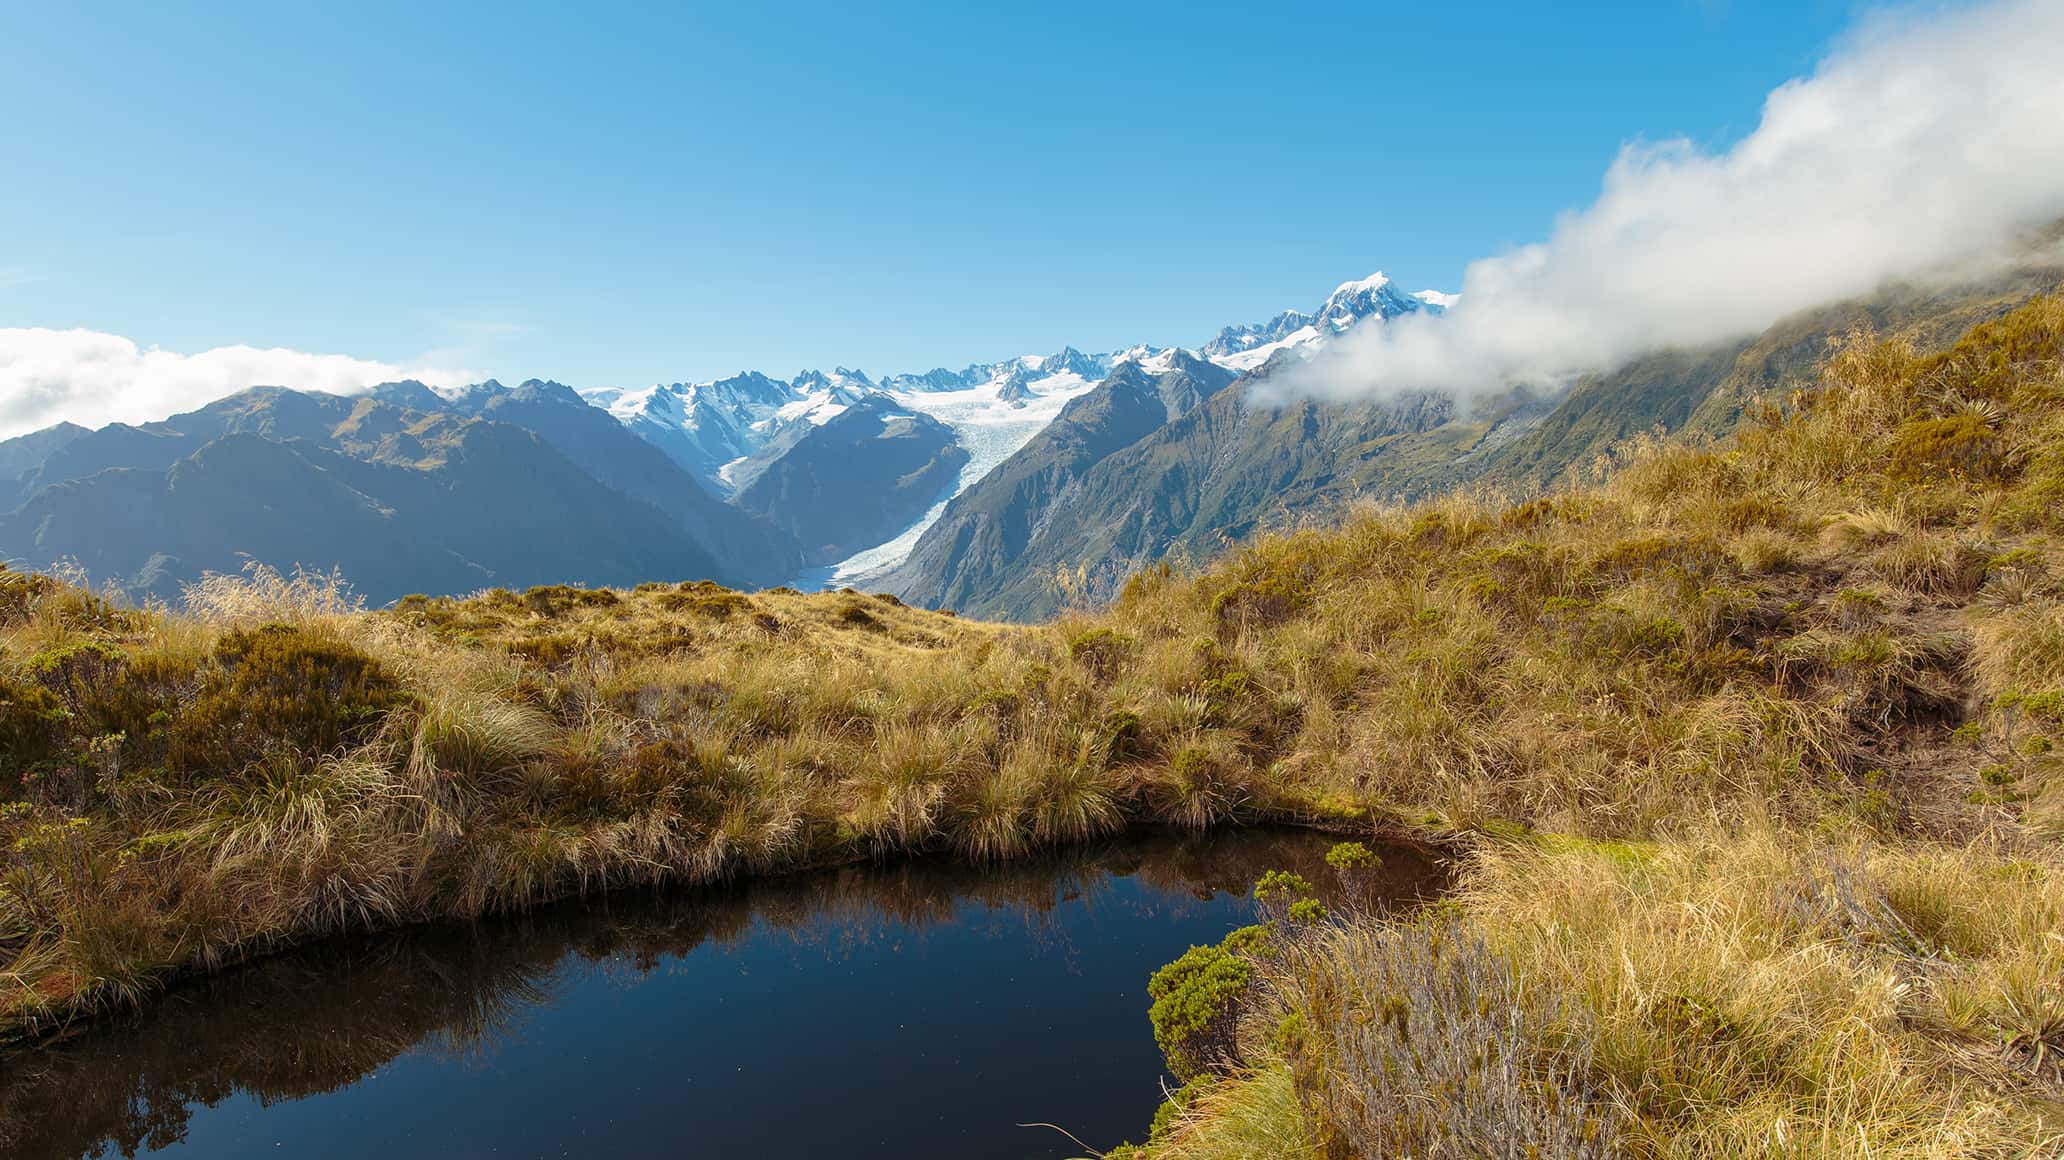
pixel 1097 463
pixel 728 432
pixel 975 548
pixel 1374 296
pixel 719 429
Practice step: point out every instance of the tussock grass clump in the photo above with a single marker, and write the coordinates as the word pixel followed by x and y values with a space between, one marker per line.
pixel 264 595
pixel 1253 1116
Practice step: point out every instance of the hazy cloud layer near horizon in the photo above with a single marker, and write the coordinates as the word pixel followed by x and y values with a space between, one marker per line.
pixel 1924 140
pixel 91 378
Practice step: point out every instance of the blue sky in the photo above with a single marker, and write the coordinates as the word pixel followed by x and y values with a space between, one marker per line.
pixel 659 193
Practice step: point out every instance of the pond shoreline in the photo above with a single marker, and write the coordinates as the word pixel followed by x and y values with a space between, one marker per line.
pixel 88 1013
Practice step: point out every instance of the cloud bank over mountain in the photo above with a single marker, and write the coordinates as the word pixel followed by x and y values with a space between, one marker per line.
pixel 92 378
pixel 1925 139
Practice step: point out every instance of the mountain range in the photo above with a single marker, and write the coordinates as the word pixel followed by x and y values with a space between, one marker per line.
pixel 748 480
pixel 971 488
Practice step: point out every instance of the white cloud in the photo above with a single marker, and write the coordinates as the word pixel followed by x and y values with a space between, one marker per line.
pixel 91 378
pixel 1925 139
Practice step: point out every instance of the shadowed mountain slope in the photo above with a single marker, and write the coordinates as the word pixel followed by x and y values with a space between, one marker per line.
pixel 979 547
pixel 25 453
pixel 857 479
pixel 500 486
pixel 498 507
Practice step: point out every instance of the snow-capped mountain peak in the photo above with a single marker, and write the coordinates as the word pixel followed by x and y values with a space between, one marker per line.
pixel 1234 339
pixel 1370 284
pixel 1069 361
pixel 848 385
pixel 1372 297
pixel 1248 346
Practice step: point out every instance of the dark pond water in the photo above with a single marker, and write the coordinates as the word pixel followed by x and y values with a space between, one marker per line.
pixel 916 1010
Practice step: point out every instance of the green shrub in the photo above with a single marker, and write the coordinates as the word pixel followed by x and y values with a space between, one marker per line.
pixel 1278 886
pixel 113 704
pixel 74 671
pixel 32 730
pixel 1198 790
pixel 2048 704
pixel 1254 940
pixel 1171 1110
pixel 1100 650
pixel 1225 696
pixel 1962 443
pixel 1260 602
pixel 1306 911
pixel 1121 738
pixel 1350 856
pixel 281 687
pixel 1196 1011
pixel 19 592
pixel 705 599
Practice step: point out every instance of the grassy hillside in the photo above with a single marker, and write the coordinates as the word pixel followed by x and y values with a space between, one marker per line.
pixel 1752 746
pixel 1702 392
pixel 1760 740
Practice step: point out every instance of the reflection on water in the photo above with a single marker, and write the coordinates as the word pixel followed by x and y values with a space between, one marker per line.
pixel 923 1009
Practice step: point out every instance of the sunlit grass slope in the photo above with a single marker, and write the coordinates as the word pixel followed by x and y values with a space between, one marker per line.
pixel 1751 742
pixel 1759 740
